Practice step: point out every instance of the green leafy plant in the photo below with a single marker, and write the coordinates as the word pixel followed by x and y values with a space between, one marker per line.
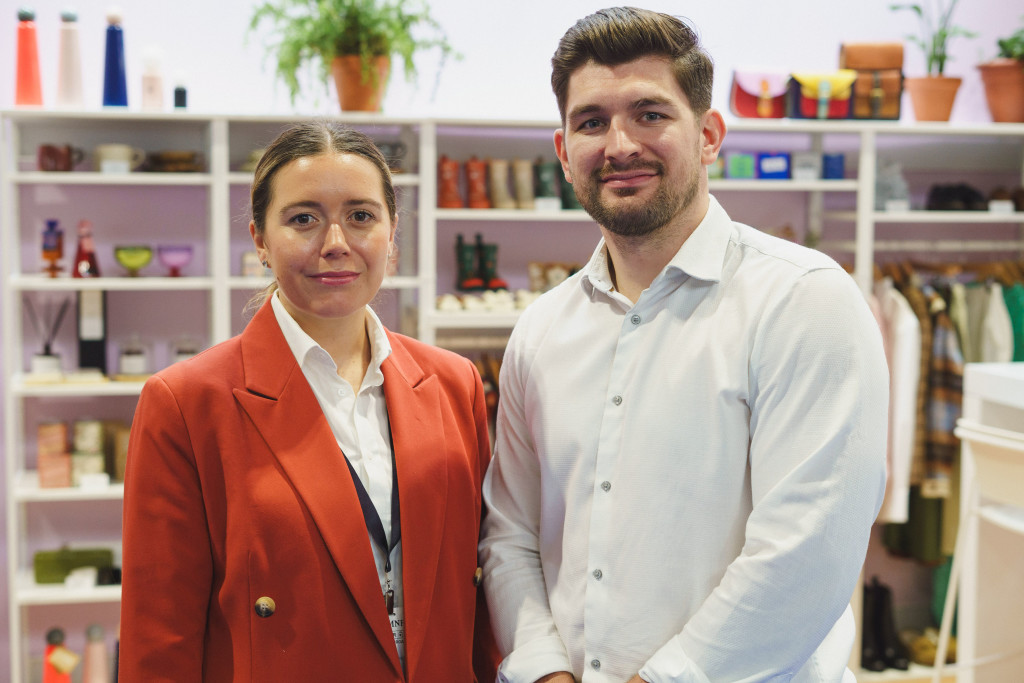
pixel 317 31
pixel 936 31
pixel 1012 47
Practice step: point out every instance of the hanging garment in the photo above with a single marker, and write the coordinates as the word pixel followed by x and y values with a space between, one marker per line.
pixel 902 338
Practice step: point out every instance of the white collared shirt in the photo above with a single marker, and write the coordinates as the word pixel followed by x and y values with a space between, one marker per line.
pixel 359 421
pixel 684 487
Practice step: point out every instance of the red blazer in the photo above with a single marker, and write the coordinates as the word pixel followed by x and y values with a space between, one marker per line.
pixel 235 489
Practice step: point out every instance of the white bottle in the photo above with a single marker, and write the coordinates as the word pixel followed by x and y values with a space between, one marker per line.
pixel 69 75
pixel 152 81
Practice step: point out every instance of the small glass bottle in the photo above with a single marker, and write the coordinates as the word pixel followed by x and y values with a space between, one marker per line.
pixel 85 256
pixel 152 81
pixel 53 247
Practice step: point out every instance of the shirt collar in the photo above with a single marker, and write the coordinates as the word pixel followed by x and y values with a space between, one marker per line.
pixel 701 256
pixel 305 349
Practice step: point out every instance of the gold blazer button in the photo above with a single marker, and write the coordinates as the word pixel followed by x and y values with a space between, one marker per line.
pixel 265 607
pixel 478 576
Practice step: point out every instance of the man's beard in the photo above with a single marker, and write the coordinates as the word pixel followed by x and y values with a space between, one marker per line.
pixel 640 220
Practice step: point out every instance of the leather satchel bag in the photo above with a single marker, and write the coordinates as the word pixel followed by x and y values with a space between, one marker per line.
pixel 879 85
pixel 822 95
pixel 758 94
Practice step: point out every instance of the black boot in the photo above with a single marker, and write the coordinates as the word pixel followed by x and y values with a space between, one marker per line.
pixel 871 658
pixel 894 652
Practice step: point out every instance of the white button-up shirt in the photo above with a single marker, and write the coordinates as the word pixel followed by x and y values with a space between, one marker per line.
pixel 359 421
pixel 684 487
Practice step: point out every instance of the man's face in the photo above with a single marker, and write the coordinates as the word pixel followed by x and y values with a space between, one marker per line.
pixel 632 147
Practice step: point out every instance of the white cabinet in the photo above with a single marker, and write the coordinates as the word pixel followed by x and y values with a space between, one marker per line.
pixel 990 616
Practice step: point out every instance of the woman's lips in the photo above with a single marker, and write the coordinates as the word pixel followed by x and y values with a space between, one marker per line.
pixel 336 278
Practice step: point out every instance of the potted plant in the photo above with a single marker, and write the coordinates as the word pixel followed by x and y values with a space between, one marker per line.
pixel 352 40
pixel 1004 80
pixel 933 95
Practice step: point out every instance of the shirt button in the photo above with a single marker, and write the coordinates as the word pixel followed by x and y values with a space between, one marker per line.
pixel 617 400
pixel 606 485
pixel 598 574
pixel 596 663
pixel 635 319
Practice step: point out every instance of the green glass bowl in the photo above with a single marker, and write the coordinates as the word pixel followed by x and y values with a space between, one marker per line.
pixel 133 257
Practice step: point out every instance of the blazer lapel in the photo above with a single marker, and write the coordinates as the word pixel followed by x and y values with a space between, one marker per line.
pixel 284 410
pixel 414 411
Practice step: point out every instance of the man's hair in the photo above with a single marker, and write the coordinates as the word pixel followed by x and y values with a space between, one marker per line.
pixel 617 35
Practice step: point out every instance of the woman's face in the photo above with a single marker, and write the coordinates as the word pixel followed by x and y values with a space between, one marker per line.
pixel 327 236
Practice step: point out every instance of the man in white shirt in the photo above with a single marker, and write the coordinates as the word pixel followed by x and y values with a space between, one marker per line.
pixel 692 429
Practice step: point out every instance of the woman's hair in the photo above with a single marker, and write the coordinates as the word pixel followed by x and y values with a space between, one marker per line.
pixel 618 35
pixel 310 140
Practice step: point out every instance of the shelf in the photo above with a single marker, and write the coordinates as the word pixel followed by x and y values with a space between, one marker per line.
pixel 115 179
pixel 398 179
pixel 761 185
pixel 253 284
pixel 934 246
pixel 532 215
pixel 946 217
pixel 19 387
pixel 28 592
pixel 916 674
pixel 42 283
pixel 471 320
pixel 26 490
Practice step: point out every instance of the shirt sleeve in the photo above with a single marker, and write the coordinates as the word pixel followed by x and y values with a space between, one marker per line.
pixel 165 543
pixel 818 405
pixel 513 579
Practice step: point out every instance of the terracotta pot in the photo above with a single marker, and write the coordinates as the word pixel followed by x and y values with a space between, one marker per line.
pixel 932 96
pixel 1004 89
pixel 354 92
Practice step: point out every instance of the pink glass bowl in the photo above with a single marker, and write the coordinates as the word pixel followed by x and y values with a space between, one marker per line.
pixel 174 256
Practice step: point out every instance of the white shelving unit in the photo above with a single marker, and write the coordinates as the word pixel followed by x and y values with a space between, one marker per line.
pixel 213 220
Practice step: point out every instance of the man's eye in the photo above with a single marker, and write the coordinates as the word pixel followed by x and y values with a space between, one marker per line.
pixel 590 124
pixel 652 116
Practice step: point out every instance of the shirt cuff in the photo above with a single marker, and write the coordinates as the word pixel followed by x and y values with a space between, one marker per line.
pixel 671 665
pixel 534 660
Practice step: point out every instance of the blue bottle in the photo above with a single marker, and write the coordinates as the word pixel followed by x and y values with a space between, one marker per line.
pixel 115 86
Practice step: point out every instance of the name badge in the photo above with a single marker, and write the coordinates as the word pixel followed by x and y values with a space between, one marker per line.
pixel 398 630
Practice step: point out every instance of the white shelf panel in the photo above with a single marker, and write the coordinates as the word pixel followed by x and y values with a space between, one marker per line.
pixel 946 217
pixel 28 592
pixel 915 674
pixel 931 246
pixel 19 387
pixel 398 179
pixel 142 283
pixel 26 490
pixel 470 320
pixel 257 283
pixel 532 215
pixel 762 185
pixel 114 179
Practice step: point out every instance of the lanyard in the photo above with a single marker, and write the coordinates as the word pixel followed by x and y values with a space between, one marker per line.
pixel 376 527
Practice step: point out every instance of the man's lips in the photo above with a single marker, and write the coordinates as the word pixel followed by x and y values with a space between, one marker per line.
pixel 627 177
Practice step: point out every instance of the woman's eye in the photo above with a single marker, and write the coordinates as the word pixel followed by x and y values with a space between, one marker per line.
pixel 362 216
pixel 303 219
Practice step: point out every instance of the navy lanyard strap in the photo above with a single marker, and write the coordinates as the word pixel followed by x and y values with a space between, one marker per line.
pixel 373 523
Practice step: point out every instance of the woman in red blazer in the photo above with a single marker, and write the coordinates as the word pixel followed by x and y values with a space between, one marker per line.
pixel 248 555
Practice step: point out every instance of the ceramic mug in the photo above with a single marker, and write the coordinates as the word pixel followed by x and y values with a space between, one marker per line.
pixel 117 158
pixel 58 157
